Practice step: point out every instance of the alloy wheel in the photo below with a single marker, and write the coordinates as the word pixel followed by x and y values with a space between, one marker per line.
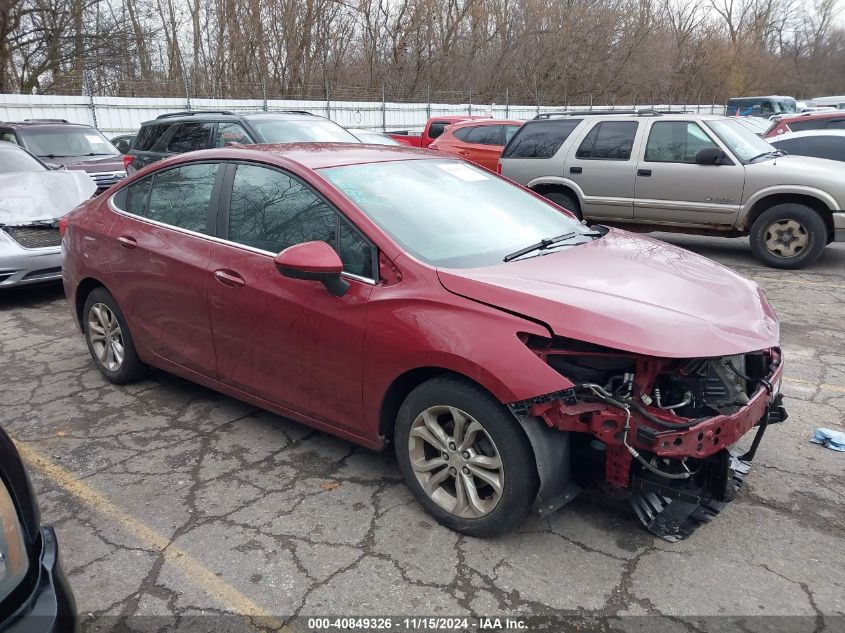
pixel 456 462
pixel 106 337
pixel 786 238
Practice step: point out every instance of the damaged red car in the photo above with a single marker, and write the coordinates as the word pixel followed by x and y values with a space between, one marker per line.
pixel 510 354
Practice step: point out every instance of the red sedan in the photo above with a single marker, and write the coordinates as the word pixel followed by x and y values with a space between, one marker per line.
pixel 391 295
pixel 480 142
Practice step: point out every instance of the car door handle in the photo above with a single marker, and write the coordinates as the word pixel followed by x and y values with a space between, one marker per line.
pixel 643 172
pixel 229 278
pixel 575 170
pixel 127 242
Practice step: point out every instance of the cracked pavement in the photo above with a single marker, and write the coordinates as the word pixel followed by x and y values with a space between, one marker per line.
pixel 172 500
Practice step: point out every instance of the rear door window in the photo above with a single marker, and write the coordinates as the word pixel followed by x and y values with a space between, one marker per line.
pixel 190 137
pixel 540 139
pixel 609 140
pixel 148 136
pixel 485 135
pixel 178 197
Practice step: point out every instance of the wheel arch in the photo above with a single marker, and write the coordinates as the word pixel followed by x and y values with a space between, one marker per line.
pixel 85 288
pixel 815 202
pixel 543 186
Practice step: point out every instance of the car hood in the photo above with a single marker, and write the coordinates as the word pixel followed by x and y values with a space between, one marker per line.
pixel 91 164
pixel 41 196
pixel 796 170
pixel 630 293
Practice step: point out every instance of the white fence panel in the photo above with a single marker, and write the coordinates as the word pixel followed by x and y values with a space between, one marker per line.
pixel 114 115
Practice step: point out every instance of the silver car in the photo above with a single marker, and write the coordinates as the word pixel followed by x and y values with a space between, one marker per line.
pixel 683 172
pixel 33 198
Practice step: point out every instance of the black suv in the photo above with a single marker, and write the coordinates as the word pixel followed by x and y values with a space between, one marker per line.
pixel 180 132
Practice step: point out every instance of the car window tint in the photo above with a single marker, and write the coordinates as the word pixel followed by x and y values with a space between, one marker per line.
pixel 540 139
pixel 148 136
pixel 510 130
pixel 355 251
pixel 190 137
pixel 609 140
pixel 231 133
pixel 462 133
pixel 270 211
pixel 437 128
pixel 136 197
pixel 675 142
pixel 485 135
pixel 829 147
pixel 180 196
pixel 836 124
pixel 809 124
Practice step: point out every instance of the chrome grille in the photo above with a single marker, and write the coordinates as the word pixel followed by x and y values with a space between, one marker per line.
pixel 105 179
pixel 35 236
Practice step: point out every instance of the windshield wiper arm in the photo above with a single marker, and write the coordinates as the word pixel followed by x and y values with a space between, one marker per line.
pixel 539 246
pixel 776 152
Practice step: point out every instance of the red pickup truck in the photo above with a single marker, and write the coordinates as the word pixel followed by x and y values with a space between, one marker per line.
pixel 434 127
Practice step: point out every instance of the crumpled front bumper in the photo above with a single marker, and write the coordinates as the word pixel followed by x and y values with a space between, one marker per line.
pixel 50 607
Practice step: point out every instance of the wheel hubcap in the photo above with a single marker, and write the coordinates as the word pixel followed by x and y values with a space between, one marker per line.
pixel 786 238
pixel 456 462
pixel 105 336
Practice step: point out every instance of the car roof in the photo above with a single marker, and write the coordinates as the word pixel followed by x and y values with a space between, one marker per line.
pixel 789 135
pixel 826 114
pixel 461 124
pixel 56 123
pixel 225 115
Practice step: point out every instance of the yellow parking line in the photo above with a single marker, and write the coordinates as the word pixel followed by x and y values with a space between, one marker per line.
pixel 809 383
pixel 193 570
pixel 800 282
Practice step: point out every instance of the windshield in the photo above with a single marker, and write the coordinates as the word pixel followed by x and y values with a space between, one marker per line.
pixel 450 214
pixel 741 141
pixel 62 142
pixel 14 160
pixel 302 131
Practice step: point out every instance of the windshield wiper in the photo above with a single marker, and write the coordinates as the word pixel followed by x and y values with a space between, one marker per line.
pixel 774 152
pixel 540 246
pixel 54 156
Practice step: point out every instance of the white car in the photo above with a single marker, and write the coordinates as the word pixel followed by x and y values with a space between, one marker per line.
pixel 33 198
pixel 829 144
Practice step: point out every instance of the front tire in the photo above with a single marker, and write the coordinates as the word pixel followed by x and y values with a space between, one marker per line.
pixel 465 457
pixel 566 201
pixel 788 236
pixel 109 340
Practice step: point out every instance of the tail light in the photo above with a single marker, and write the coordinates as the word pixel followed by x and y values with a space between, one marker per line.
pixel 127 160
pixel 62 225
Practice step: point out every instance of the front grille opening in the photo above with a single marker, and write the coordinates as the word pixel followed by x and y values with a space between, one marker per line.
pixel 35 236
pixel 43 272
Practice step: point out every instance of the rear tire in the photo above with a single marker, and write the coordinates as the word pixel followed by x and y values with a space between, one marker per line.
pixel 788 236
pixel 465 457
pixel 565 200
pixel 109 340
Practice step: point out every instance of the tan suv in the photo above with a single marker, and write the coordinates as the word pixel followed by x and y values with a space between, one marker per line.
pixel 683 172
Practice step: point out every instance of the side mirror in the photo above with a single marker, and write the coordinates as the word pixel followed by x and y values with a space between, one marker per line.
pixel 313 261
pixel 711 156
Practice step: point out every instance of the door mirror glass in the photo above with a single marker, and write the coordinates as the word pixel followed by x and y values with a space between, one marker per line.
pixel 313 261
pixel 710 156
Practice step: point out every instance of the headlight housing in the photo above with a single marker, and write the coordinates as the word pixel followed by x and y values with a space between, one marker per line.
pixel 14 560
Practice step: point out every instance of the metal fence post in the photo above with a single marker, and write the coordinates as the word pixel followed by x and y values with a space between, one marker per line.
pixel 87 84
pixel 264 94
pixel 469 106
pixel 591 102
pixel 428 103
pixel 328 102
pixel 383 110
pixel 507 104
pixel 187 92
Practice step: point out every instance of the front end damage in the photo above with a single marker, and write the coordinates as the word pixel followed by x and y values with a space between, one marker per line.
pixel 659 430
